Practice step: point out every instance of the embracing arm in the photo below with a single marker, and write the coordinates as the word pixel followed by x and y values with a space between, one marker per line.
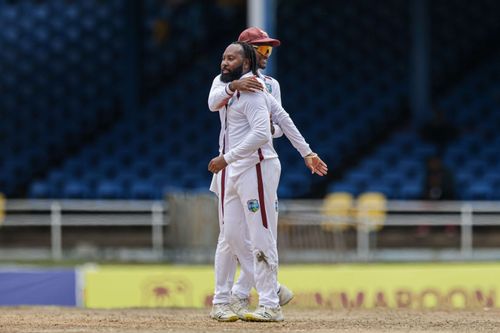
pixel 219 94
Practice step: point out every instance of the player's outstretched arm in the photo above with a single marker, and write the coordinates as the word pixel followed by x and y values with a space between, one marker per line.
pixel 281 117
pixel 315 164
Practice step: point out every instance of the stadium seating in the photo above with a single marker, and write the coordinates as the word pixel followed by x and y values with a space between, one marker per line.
pixel 474 156
pixel 59 65
pixel 333 91
pixel 345 86
pixel 396 168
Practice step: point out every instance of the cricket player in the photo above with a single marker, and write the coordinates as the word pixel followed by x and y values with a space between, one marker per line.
pixel 253 176
pixel 225 261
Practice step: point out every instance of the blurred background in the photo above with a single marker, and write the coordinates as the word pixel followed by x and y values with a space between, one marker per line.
pixel 105 133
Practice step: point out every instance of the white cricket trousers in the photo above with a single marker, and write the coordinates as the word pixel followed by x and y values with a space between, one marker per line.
pixel 253 194
pixel 226 259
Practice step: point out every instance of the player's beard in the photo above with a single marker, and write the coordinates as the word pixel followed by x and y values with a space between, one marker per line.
pixel 235 74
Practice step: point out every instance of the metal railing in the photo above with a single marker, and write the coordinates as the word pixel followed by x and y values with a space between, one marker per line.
pixel 464 215
pixel 57 214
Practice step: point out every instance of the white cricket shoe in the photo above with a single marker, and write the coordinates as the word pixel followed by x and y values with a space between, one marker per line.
pixel 223 312
pixel 239 306
pixel 285 295
pixel 263 313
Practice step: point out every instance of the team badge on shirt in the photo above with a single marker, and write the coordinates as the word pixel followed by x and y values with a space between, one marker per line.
pixel 231 101
pixel 269 88
pixel 253 205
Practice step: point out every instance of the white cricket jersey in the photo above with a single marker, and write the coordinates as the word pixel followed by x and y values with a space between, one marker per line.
pixel 272 86
pixel 217 99
pixel 220 95
pixel 248 131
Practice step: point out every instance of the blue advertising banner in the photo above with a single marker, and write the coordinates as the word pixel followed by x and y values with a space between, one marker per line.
pixel 38 287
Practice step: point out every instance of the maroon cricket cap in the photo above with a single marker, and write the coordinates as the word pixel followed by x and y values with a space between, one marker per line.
pixel 255 35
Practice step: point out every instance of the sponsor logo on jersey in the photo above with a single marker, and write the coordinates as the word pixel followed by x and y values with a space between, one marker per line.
pixel 253 205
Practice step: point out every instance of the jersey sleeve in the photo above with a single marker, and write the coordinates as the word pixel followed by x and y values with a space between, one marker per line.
pixel 257 113
pixel 281 117
pixel 219 94
pixel 276 91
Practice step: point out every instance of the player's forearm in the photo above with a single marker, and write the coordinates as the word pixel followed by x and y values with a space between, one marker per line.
pixel 219 95
pixel 259 134
pixel 295 138
pixel 250 145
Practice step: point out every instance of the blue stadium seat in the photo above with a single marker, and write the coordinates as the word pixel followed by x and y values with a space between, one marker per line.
pixel 144 190
pixel 40 190
pixel 109 190
pixel 75 189
pixel 411 191
pixel 479 191
pixel 344 187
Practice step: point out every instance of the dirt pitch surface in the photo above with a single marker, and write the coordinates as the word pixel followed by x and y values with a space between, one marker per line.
pixel 53 319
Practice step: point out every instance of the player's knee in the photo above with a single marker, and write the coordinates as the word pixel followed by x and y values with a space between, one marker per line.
pixel 232 238
pixel 266 258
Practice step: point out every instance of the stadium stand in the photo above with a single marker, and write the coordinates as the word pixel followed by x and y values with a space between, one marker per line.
pixel 331 80
pixel 59 66
pixel 465 88
pixel 345 85
pixel 168 143
pixel 474 157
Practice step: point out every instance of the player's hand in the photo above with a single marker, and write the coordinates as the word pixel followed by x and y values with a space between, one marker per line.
pixel 315 164
pixel 246 84
pixel 217 164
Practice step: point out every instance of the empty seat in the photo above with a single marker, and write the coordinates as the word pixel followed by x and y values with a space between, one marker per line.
pixel 344 187
pixel 109 190
pixel 144 190
pixel 337 208
pixel 40 190
pixel 371 210
pixel 479 191
pixel 75 189
pixel 411 191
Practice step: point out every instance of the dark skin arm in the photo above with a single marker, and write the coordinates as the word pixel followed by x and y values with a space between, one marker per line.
pixel 315 164
pixel 246 84
pixel 217 164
